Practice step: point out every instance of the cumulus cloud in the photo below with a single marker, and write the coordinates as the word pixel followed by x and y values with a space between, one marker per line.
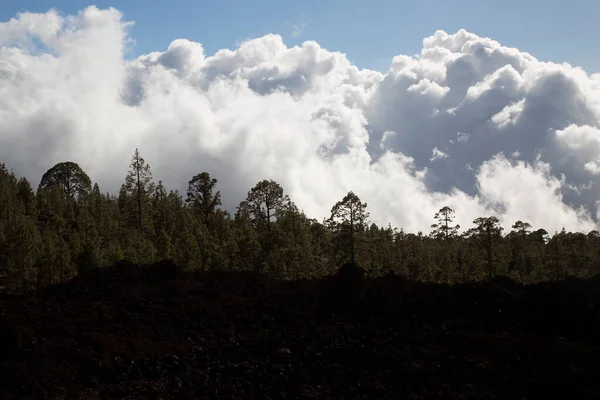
pixel 432 131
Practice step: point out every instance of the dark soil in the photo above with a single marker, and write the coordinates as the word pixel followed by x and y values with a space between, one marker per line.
pixel 127 333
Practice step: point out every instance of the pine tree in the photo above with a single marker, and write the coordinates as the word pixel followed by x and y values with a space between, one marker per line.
pixel 263 203
pixel 202 197
pixel 488 235
pixel 186 243
pixel 23 243
pixel 69 177
pixel 135 193
pixel 349 216
pixel 521 230
pixel 294 228
pixel 445 232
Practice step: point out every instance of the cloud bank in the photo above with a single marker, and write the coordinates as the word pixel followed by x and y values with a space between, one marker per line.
pixel 468 123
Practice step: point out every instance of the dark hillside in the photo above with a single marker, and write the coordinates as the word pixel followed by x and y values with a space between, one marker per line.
pixel 126 333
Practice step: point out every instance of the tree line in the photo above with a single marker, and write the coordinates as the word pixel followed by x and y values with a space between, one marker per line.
pixel 68 226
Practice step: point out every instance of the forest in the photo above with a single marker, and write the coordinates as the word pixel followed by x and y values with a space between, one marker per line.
pixel 68 225
pixel 153 294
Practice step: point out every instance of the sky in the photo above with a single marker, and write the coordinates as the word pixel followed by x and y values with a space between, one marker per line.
pixel 491 111
pixel 370 33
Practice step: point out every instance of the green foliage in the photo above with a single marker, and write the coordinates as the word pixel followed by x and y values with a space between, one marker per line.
pixel 446 234
pixel 487 236
pixel 22 246
pixel 69 227
pixel 135 194
pixel 349 216
pixel 69 177
pixel 443 228
pixel 202 197
pixel 263 203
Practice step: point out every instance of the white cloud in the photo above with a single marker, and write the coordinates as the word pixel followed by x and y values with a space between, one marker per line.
pixel 437 154
pixel 508 115
pixel 309 119
pixel 529 193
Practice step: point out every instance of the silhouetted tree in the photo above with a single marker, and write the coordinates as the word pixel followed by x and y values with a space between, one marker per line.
pixel 443 228
pixel 488 234
pixel 69 177
pixel 348 216
pixel 263 202
pixel 558 246
pixel 521 230
pixel 294 229
pixel 49 235
pixel 135 192
pixel 201 195
pixel 445 232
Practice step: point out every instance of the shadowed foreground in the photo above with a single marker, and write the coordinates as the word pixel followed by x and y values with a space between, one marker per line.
pixel 122 333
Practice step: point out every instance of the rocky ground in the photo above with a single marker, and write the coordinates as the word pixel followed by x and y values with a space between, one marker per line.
pixel 126 334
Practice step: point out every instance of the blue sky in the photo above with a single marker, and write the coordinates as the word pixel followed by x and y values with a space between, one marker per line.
pixel 369 32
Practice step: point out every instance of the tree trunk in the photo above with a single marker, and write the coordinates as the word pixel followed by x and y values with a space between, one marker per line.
pixel 137 169
pixel 352 253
